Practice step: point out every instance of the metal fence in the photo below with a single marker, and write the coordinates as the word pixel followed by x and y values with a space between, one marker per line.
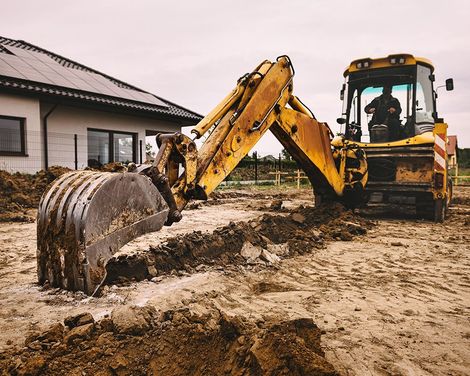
pixel 72 150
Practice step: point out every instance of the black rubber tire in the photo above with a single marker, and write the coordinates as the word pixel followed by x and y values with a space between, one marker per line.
pixel 433 210
pixel 440 209
pixel 450 192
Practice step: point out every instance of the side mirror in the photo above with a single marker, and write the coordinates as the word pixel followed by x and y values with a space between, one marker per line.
pixel 341 121
pixel 449 84
pixel 341 93
pixel 432 78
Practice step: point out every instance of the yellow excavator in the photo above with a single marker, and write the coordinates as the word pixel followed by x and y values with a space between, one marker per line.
pixel 87 216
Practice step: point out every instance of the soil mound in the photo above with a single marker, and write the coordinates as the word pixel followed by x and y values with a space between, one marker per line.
pixel 142 341
pixel 20 192
pixel 261 242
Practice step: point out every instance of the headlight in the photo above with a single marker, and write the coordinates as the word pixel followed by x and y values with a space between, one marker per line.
pixel 363 64
pixel 397 60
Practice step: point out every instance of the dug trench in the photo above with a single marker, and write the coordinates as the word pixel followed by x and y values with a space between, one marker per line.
pixel 258 243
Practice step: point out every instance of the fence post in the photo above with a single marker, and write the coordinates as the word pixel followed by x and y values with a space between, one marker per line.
pixel 255 154
pixel 75 143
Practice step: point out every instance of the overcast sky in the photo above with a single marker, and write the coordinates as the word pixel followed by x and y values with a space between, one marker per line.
pixel 192 52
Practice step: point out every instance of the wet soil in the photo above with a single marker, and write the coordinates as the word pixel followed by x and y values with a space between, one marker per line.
pixel 394 301
pixel 301 230
pixel 143 341
pixel 21 192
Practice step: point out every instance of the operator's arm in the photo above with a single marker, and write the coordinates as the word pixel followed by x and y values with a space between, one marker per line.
pixel 372 106
pixel 395 108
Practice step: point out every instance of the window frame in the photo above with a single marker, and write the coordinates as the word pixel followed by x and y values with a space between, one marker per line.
pixel 111 142
pixel 22 152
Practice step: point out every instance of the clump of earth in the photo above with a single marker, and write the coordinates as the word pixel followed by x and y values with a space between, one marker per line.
pixel 143 341
pixel 259 242
pixel 21 192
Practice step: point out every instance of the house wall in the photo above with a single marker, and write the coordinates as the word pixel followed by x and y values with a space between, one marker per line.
pixel 28 108
pixel 64 122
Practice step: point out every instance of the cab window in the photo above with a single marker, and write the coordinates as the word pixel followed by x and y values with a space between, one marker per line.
pixel 424 105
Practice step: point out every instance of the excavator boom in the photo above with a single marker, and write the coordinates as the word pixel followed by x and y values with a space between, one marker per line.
pixel 85 217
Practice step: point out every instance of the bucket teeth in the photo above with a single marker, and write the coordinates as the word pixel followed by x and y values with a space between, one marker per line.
pixel 85 217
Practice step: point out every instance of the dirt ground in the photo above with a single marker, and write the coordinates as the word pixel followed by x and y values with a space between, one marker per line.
pixel 395 301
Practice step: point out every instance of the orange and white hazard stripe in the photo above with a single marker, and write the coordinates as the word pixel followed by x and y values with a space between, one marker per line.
pixel 440 153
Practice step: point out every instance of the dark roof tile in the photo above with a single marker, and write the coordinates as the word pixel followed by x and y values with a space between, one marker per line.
pixel 172 109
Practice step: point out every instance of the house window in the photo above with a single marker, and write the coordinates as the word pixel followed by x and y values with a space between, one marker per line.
pixel 12 136
pixel 110 146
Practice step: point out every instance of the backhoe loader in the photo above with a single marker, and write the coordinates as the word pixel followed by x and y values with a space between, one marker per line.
pixel 86 216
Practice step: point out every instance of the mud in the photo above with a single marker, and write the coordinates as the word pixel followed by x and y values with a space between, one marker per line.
pixel 262 242
pixel 392 302
pixel 109 167
pixel 21 192
pixel 144 341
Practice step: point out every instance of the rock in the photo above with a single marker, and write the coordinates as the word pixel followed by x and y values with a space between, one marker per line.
pixel 35 345
pixel 316 233
pixel 118 362
pixel 157 279
pixel 269 257
pixel 200 267
pixel 278 249
pixel 152 271
pixel 106 325
pixel 357 309
pixel 33 366
pixel 297 217
pixel 79 333
pixel 276 204
pixel 31 338
pixel 78 320
pixel 397 244
pixel 54 334
pixel 266 240
pixel 132 319
pixel 105 339
pixel 250 252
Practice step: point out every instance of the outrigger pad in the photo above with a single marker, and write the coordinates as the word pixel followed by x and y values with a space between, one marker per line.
pixel 85 217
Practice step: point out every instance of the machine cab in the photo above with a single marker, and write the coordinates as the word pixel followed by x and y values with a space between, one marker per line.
pixel 388 99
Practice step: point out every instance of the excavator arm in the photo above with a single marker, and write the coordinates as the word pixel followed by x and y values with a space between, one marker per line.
pixel 85 217
pixel 261 101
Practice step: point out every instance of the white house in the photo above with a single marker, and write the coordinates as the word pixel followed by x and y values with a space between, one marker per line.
pixel 55 111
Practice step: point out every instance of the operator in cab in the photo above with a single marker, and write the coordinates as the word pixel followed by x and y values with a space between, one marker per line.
pixel 386 109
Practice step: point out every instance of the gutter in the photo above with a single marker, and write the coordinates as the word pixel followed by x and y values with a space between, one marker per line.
pixel 45 140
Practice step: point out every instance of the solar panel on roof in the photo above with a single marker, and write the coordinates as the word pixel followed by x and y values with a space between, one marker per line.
pixel 38 67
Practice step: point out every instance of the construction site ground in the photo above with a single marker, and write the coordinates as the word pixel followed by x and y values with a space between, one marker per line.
pixel 393 301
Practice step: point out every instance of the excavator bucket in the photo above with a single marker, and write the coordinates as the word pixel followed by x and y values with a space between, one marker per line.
pixel 85 217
